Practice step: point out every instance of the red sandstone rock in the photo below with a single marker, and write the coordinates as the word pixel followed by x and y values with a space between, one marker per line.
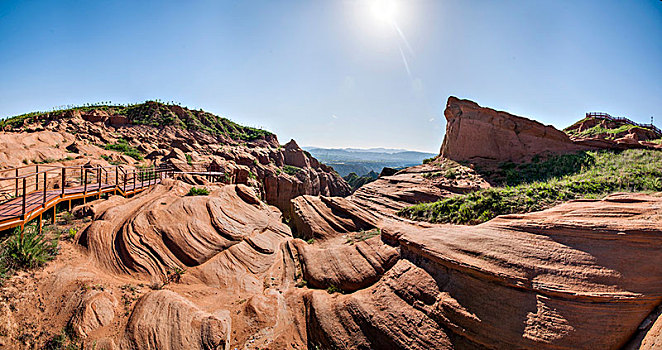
pixel 475 133
pixel 164 320
pixel 96 309
pixel 95 116
pixel 479 134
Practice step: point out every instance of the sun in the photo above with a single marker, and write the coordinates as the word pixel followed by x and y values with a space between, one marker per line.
pixel 384 10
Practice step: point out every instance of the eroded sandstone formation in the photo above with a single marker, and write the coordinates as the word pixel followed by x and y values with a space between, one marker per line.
pixel 269 263
pixel 80 137
pixel 483 135
pixel 584 274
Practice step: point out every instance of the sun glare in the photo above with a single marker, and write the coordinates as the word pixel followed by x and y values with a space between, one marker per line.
pixel 384 10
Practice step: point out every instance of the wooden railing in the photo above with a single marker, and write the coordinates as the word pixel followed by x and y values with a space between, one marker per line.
pixel 27 192
pixel 601 115
pixel 30 190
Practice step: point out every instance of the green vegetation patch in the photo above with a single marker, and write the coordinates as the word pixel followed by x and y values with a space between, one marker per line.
pixel 152 113
pixel 599 130
pixel 429 160
pixel 363 235
pixel 123 147
pixel 291 169
pixel 539 169
pixel 198 191
pixel 159 114
pixel 595 174
pixel 25 250
pixel 355 181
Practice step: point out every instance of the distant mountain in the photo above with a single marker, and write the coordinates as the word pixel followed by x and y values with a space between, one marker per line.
pixel 375 150
pixel 362 161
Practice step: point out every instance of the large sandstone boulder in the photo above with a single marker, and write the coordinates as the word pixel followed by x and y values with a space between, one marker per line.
pixel 475 133
pixel 96 309
pixel 164 320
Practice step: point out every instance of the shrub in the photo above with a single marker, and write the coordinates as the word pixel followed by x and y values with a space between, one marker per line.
pixel 198 191
pixel 27 249
pixel 123 146
pixel 70 233
pixel 174 274
pixel 429 160
pixel 333 289
pixel 291 170
pixel 66 218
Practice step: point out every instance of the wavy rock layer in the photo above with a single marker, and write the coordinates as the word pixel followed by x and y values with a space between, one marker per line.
pixel 583 275
pixel 164 228
pixel 164 320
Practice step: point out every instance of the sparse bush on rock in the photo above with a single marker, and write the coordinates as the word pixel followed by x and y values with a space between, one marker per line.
pixel 197 191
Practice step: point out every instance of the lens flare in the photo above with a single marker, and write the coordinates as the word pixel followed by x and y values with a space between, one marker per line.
pixel 384 10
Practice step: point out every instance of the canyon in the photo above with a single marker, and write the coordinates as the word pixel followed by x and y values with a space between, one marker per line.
pixel 280 254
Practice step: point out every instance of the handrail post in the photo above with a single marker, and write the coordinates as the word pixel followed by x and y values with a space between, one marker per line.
pixel 36 177
pixel 99 180
pixel 64 179
pixel 124 183
pixel 85 180
pixel 43 204
pixel 17 182
pixel 134 180
pixel 23 205
pixel 117 173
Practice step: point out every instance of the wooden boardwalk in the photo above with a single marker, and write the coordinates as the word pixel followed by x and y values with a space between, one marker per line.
pixel 48 189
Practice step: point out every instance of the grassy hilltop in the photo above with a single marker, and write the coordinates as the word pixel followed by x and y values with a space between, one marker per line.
pixel 152 113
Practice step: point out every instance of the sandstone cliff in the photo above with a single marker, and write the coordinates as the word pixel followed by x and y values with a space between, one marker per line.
pixel 479 134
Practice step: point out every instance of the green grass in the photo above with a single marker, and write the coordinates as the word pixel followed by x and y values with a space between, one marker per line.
pixel 123 146
pixel 600 130
pixel 291 170
pixel 362 236
pixel 27 250
pixel 539 169
pixel 194 191
pixel 595 174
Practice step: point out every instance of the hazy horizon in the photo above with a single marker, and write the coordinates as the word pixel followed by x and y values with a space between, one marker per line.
pixel 338 74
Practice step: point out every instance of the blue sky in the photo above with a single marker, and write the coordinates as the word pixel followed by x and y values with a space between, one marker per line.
pixel 332 73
